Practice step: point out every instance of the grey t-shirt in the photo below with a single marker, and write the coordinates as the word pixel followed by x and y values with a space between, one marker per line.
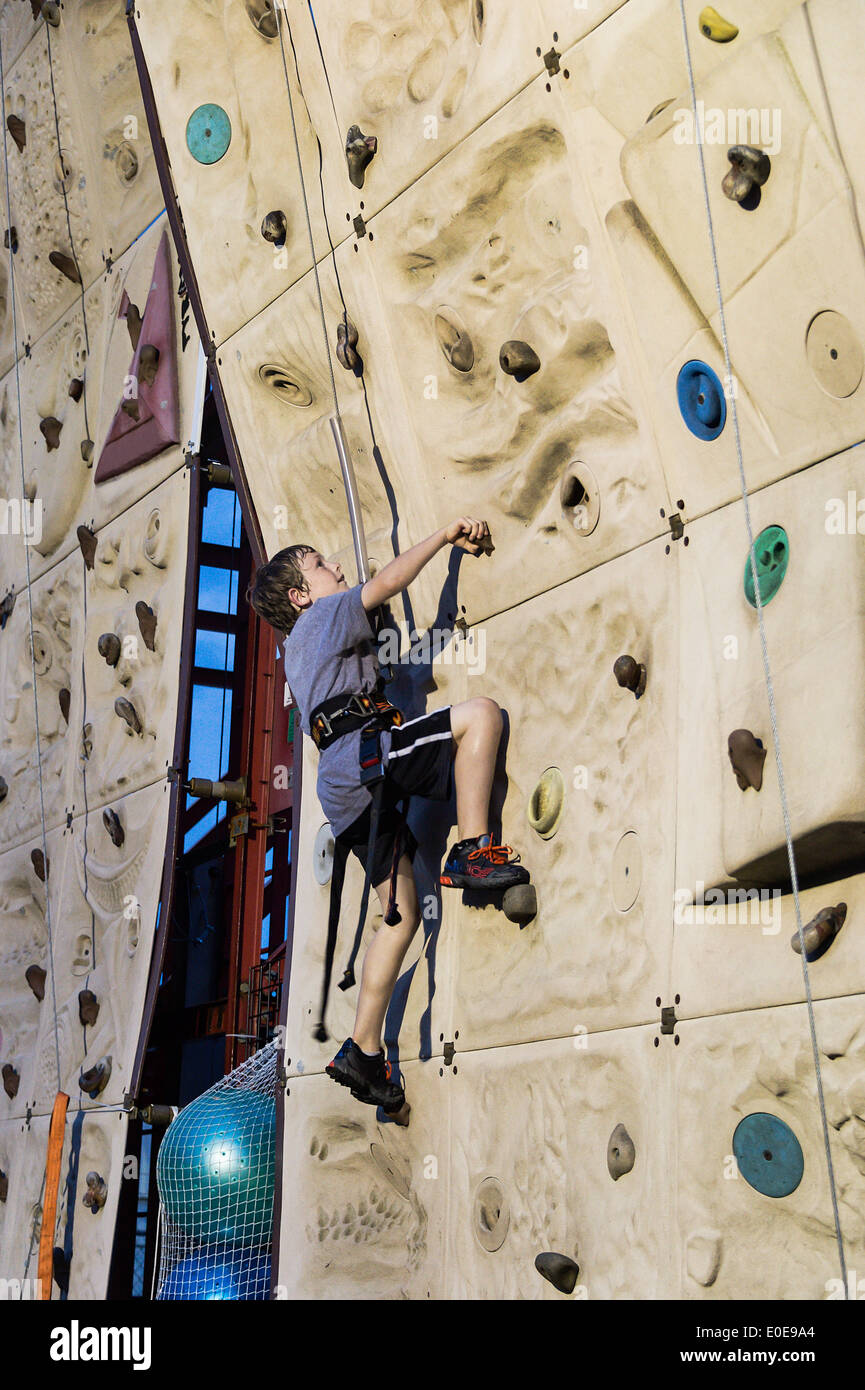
pixel 328 652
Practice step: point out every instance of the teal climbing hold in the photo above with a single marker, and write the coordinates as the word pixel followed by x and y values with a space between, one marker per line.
pixel 771 557
pixel 768 1154
pixel 208 133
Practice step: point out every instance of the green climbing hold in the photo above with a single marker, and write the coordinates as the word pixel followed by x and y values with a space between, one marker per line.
pixel 771 556
pixel 208 133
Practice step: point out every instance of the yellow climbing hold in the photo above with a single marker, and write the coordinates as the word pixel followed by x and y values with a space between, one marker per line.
pixel 546 803
pixel 716 27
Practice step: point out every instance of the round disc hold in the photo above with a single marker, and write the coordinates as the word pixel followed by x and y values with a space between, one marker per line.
pixel 834 353
pixel 701 399
pixel 492 1214
pixel 627 871
pixel 208 133
pixel 322 854
pixel 771 558
pixel 768 1154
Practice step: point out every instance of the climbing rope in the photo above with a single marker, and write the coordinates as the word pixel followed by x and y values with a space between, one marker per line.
pixel 29 583
pixel 765 653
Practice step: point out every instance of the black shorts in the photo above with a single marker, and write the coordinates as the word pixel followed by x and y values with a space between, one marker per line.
pixel 420 764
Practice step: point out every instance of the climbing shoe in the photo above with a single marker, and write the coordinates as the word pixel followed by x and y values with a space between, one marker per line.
pixel 479 863
pixel 368 1078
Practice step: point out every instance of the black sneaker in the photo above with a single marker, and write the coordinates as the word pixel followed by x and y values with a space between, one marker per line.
pixel 368 1078
pixel 474 865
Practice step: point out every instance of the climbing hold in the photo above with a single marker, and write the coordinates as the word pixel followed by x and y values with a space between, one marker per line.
pixel 51 13
pixel 87 542
pixel 544 810
pixel 129 406
pixel 747 756
pixel 771 558
pixel 518 359
pixel 10 236
pixel 263 18
pixel 127 711
pixel 109 647
pixel 621 1153
pixel 520 903
pixel 626 871
pixel 76 388
pixel 208 133
pixel 148 364
pixel 492 1214
pixel 561 1272
pixel 6 607
pixel 359 151
pixel 286 388
pixel 750 170
pixel 41 865
pixel 834 353
pixel 64 698
pixel 454 340
pixel 97 1192
pixel 661 106
pixel 820 932
pixel 322 855
pixel 11 1081
pixel 95 1079
pixel 346 343
pixel 703 1256
pixel 88 1007
pixel 87 447
pixel 133 323
pixel 580 497
pixel 66 266
pixel 4 789
pixel 275 227
pixel 113 826
pixel 630 674
pixel 4 1186
pixel 51 428
pixel 715 26
pixel 768 1154
pixel 36 977
pixel 701 399
pixel 18 130
pixel 147 624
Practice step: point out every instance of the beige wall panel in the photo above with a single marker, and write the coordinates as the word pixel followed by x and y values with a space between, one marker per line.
pixel 238 271
pixel 568 22
pixel 735 1241
pixel 499 242
pixel 838 27
pixel 538 1119
pixel 99 1147
pixel 361 1218
pixel 17 27
pixel 23 1150
pixel 814 635
pixel 588 960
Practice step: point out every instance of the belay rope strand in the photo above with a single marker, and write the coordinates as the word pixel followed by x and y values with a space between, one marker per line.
pixel 765 653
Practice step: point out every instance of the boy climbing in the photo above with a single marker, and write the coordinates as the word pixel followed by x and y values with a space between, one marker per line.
pixel 372 761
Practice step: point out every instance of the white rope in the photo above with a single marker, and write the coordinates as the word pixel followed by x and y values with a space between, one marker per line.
pixel 766 668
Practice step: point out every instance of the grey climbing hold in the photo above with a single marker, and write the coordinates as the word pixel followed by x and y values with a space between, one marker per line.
pixel 518 359
pixel 133 323
pixel 274 228
pixel 750 170
pixel 263 18
pixel 346 344
pixel 50 428
pixel 148 364
pixel 113 826
pixel 18 130
pixel 95 1079
pixel 520 903
pixel 359 151
pixel 630 674
pixel 6 607
pixel 4 789
pixel 11 1081
pixel 87 542
pixel 454 340
pixel 10 238
pixel 97 1192
pixel 109 647
pixel 820 932
pixel 36 977
pixel 561 1272
pixel 66 266
pixel 51 13
pixel 747 756
pixel 147 624
pixel 621 1153
pixel 87 447
pixel 127 712
pixel 88 1007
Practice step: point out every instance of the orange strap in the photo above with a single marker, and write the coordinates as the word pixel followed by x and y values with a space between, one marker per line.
pixel 52 1186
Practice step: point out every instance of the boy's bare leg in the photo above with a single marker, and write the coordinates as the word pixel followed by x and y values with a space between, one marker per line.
pixel 477 727
pixel 384 956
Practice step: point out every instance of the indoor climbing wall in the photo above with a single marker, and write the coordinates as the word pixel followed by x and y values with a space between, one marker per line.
pixel 511 300
pixel 97 399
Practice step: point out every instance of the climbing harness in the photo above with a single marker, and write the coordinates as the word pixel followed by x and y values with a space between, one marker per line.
pixel 341 714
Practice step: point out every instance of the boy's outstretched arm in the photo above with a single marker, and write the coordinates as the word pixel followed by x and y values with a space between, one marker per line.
pixel 465 532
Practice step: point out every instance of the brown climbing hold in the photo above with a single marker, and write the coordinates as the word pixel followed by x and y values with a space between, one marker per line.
pixel 133 323
pixel 359 151
pixel 4 789
pixel 518 359
pixel 95 1079
pixel 11 236
pixel 87 447
pixel 6 607
pixel 561 1272
pixel 747 756
pixel 630 674
pixel 97 1192
pixel 127 712
pixel 148 364
pixel 87 541
pixel 41 865
pixel 820 932
pixel 130 408
pixel 76 388
pixel 346 342
pixel 147 624
pixel 621 1153
pixel 11 1081
pixel 88 1007
pixel 36 977
pixel 4 1186
pixel 18 130
pixel 66 266
pixel 51 13
pixel 64 698
pixel 108 647
pixel 274 227
pixel 520 904
pixel 111 821
pixel 750 170
pixel 51 428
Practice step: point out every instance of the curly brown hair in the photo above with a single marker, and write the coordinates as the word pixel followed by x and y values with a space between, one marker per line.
pixel 267 593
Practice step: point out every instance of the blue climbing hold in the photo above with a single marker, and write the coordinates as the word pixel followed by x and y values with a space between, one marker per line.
pixel 208 133
pixel 218 1272
pixel 701 399
pixel 768 1154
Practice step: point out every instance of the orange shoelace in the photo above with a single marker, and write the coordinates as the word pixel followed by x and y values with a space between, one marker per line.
pixel 496 854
